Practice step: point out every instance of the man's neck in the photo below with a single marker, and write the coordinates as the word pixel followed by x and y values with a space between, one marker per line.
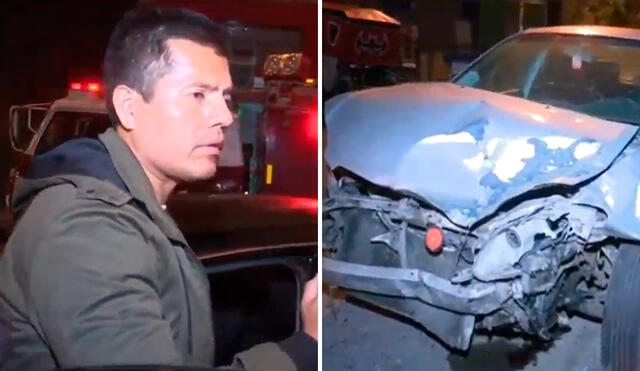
pixel 162 186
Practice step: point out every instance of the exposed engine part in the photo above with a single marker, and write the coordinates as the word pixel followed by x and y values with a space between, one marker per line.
pixel 520 268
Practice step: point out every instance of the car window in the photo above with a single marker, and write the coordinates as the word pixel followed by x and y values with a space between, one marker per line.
pixel 587 74
pixel 67 125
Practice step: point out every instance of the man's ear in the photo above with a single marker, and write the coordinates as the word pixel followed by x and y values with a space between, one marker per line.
pixel 125 101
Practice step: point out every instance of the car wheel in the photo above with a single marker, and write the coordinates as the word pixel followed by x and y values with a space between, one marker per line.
pixel 620 339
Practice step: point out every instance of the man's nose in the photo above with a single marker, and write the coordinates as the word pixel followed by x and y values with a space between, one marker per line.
pixel 220 114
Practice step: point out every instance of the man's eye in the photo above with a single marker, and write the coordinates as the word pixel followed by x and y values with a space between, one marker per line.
pixel 233 107
pixel 198 95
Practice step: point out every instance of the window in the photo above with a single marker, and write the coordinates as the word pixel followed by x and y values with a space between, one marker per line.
pixel 67 125
pixel 593 75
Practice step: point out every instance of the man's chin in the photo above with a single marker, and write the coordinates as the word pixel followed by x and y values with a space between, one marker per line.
pixel 200 175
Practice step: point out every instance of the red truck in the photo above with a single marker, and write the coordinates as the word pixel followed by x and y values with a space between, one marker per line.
pixel 274 66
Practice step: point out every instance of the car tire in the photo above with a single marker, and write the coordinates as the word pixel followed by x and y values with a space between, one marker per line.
pixel 620 338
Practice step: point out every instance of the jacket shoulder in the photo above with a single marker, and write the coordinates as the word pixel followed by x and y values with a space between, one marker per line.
pixel 70 203
pixel 89 188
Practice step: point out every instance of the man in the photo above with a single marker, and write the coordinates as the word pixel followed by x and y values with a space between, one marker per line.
pixel 96 272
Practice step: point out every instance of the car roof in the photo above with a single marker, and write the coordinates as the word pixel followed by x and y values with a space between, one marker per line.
pixel 78 106
pixel 80 102
pixel 606 31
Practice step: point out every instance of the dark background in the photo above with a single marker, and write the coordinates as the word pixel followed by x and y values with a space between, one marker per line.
pixel 45 44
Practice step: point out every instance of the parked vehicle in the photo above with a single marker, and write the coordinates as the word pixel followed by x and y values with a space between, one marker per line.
pixel 508 197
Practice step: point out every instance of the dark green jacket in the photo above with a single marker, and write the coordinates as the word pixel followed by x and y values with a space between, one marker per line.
pixel 97 273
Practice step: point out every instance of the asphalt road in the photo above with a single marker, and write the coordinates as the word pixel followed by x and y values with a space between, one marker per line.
pixel 359 339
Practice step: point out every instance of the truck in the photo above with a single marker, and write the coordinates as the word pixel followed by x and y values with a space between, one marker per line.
pixel 362 48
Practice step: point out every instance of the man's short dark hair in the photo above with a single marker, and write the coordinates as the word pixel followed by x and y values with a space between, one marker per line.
pixel 138 54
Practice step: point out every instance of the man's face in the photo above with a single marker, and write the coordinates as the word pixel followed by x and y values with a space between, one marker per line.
pixel 178 134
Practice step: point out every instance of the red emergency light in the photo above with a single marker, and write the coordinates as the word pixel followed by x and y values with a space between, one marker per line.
pixel 91 87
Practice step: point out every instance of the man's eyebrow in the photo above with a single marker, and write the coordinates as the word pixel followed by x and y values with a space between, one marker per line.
pixel 205 86
pixel 212 88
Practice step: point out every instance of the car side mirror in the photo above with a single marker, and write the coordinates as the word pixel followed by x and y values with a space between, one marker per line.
pixel 24 122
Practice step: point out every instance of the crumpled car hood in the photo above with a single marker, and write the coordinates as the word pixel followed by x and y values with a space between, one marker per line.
pixel 464 150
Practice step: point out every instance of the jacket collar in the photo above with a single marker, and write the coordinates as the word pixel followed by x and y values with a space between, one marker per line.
pixel 133 175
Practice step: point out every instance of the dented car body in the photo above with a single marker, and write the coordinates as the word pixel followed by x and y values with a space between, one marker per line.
pixel 532 179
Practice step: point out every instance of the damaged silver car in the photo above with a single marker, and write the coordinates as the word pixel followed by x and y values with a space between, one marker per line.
pixel 508 197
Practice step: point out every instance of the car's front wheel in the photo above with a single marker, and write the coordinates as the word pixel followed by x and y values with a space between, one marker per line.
pixel 621 324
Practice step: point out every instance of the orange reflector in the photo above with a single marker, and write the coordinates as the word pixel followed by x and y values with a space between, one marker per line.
pixel 434 239
pixel 269 176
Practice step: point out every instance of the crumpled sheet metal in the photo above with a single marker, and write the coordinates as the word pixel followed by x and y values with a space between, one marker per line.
pixel 467 151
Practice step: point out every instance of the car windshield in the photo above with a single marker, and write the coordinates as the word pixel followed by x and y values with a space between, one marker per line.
pixel 599 76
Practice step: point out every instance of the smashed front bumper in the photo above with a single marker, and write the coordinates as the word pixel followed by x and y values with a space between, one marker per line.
pixel 444 308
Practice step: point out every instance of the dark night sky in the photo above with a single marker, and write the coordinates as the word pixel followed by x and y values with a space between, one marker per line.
pixel 44 44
